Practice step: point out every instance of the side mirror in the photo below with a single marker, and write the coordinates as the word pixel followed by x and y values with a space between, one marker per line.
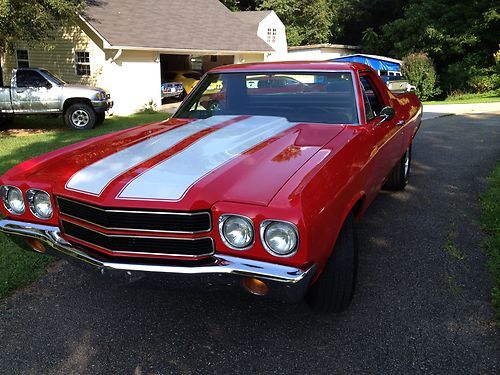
pixel 386 114
pixel 48 85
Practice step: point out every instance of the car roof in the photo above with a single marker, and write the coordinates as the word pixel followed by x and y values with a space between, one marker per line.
pixel 292 65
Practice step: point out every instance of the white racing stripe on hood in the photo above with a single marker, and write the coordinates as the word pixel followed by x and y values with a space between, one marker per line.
pixel 94 178
pixel 170 179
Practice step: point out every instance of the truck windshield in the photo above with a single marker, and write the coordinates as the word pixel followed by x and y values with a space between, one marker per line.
pixel 53 77
pixel 297 96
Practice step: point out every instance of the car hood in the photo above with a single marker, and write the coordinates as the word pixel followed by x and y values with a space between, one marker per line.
pixel 180 164
pixel 81 89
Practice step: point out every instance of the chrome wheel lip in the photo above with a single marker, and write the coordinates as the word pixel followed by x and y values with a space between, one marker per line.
pixel 407 163
pixel 80 118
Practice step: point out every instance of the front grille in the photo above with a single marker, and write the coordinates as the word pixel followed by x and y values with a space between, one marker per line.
pixel 143 220
pixel 196 247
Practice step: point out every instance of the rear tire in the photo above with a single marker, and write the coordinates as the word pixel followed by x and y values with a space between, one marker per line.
pixel 398 178
pixel 80 116
pixel 334 289
pixel 99 118
pixel 5 121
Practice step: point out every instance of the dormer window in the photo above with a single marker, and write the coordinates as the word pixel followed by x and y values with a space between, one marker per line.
pixel 271 35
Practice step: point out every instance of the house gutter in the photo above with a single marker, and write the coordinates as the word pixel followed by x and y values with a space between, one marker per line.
pixel 117 55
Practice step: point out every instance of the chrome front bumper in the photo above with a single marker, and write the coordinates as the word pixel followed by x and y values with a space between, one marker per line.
pixel 284 282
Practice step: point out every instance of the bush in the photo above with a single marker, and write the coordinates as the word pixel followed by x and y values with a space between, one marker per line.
pixel 420 71
pixel 483 83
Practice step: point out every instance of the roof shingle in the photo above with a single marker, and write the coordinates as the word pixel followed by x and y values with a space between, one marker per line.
pixel 178 25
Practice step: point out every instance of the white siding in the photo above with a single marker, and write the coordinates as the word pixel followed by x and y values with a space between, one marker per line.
pixel 133 80
pixel 58 56
pixel 272 21
pixel 317 54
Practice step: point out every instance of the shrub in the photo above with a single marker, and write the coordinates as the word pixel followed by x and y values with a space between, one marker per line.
pixel 483 83
pixel 420 71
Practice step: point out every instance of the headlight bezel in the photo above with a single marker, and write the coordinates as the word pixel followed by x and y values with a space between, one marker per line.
pixel 264 226
pixel 4 192
pixel 101 96
pixel 223 220
pixel 30 196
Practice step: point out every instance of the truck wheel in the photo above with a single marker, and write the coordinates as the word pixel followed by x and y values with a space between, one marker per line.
pixel 334 289
pixel 399 176
pixel 80 116
pixel 99 118
pixel 5 121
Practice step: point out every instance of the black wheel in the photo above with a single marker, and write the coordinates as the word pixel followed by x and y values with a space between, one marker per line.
pixel 99 118
pixel 80 116
pixel 400 174
pixel 334 289
pixel 5 121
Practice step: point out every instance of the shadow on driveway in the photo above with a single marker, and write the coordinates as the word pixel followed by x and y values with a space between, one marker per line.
pixel 416 308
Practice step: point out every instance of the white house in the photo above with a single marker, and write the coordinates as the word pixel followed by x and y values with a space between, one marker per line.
pixel 319 52
pixel 270 29
pixel 124 46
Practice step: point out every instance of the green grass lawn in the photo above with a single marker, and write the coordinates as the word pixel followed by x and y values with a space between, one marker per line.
pixel 488 97
pixel 490 202
pixel 28 138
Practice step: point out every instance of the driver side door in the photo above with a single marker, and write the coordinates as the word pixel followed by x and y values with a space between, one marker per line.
pixel 387 139
pixel 34 93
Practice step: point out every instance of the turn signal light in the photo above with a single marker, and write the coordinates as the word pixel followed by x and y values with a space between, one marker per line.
pixel 36 245
pixel 255 286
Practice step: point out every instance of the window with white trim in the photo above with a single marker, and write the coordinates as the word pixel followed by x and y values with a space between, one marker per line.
pixel 271 35
pixel 23 60
pixel 82 62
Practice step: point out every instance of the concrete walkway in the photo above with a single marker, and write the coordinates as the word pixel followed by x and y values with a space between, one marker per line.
pixel 437 110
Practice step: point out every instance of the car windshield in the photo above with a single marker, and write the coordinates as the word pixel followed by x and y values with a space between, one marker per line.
pixel 53 77
pixel 299 97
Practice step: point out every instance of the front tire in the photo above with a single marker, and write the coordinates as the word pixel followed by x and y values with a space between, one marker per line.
pixel 334 289
pixel 80 116
pixel 99 118
pixel 401 173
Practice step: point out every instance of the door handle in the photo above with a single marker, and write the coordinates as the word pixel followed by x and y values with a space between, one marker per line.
pixel 400 123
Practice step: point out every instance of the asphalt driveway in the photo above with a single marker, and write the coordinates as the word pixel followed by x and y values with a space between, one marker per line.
pixel 422 303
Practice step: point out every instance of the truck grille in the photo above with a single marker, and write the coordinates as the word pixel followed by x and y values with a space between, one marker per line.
pixel 141 245
pixel 143 220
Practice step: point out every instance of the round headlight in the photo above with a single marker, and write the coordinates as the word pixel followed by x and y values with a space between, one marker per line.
pixel 236 231
pixel 41 205
pixel 280 238
pixel 13 200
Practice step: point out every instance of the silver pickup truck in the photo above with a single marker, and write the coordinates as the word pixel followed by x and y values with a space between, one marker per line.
pixel 37 91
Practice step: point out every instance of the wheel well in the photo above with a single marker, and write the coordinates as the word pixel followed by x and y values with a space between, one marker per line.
pixel 357 208
pixel 70 102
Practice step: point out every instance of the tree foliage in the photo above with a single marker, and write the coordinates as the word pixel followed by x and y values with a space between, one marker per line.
pixel 33 20
pixel 461 36
pixel 420 71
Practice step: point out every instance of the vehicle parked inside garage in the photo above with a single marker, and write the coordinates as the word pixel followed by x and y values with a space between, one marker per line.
pixel 172 90
pixel 188 78
pixel 265 187
pixel 36 91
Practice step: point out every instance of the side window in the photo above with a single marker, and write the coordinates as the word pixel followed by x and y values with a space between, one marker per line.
pixel 22 58
pixel 82 60
pixel 29 78
pixel 373 102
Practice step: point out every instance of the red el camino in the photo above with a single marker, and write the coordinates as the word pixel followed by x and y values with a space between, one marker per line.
pixel 265 186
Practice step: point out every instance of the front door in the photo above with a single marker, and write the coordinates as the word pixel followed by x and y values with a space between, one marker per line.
pixel 387 141
pixel 34 93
